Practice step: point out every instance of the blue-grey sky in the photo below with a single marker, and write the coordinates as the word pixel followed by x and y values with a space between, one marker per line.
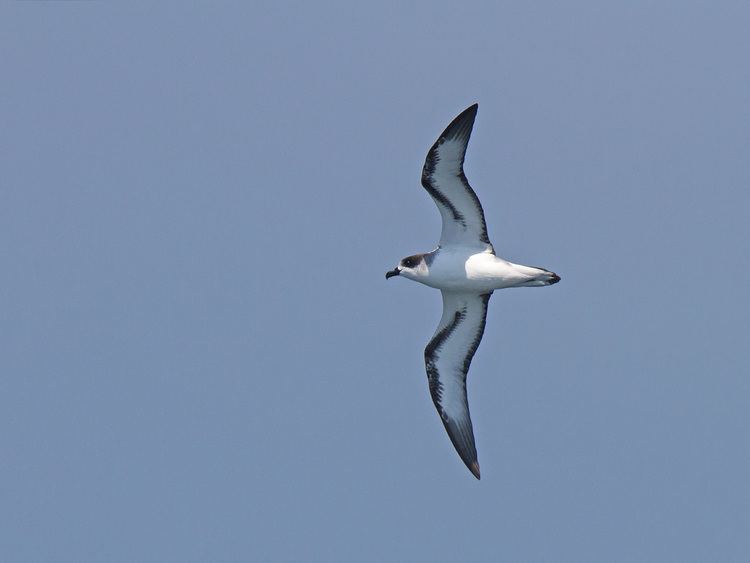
pixel 202 361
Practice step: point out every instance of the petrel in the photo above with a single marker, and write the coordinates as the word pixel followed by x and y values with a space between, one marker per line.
pixel 466 270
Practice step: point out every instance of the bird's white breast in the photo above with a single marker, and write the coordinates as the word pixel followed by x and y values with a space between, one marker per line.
pixel 465 269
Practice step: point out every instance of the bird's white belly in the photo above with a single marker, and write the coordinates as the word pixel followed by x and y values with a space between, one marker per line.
pixel 472 272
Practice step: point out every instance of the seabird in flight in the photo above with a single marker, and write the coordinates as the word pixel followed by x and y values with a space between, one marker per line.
pixel 466 270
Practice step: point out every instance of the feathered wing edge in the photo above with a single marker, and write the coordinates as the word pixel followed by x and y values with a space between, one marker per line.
pixel 461 328
pixel 444 179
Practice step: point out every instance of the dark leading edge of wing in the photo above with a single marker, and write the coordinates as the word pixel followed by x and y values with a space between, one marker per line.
pixel 447 360
pixel 444 179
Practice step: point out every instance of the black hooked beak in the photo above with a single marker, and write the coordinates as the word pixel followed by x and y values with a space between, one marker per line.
pixel 392 273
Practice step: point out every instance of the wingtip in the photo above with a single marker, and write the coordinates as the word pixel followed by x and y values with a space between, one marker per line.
pixel 461 125
pixel 472 109
pixel 474 468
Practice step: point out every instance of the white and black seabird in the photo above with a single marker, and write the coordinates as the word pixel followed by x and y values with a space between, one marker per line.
pixel 466 270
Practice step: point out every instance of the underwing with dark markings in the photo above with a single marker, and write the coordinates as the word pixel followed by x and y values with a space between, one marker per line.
pixel 466 270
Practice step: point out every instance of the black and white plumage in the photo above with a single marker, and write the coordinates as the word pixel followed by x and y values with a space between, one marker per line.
pixel 444 179
pixel 466 270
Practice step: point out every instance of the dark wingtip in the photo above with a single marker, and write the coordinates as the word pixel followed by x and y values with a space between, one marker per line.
pixel 462 125
pixel 474 468
pixel 462 437
pixel 469 113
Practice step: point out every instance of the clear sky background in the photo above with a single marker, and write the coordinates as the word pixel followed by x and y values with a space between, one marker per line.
pixel 201 359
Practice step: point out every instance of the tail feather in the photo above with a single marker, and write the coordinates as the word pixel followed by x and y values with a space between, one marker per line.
pixel 539 277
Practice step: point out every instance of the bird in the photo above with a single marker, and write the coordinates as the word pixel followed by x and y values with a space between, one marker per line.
pixel 466 270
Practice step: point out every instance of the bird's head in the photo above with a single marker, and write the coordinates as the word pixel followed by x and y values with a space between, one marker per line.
pixel 412 267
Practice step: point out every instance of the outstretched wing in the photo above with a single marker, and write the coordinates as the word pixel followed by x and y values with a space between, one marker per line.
pixel 443 177
pixel 447 359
